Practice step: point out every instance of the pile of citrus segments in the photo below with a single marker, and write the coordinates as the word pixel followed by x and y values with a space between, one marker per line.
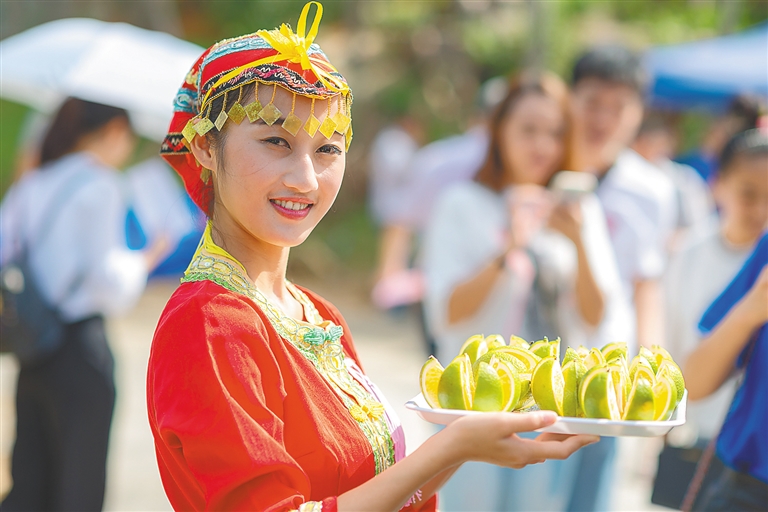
pixel 490 375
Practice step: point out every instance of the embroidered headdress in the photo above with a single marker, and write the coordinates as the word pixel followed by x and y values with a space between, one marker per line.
pixel 212 93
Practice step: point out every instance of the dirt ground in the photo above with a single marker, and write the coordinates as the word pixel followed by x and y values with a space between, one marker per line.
pixel 391 351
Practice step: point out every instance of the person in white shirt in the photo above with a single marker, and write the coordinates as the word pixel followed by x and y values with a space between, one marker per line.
pixel 703 267
pixel 638 199
pixel 502 255
pixel 695 208
pixel 78 258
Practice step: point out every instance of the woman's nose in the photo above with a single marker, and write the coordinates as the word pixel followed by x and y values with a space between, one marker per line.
pixel 302 177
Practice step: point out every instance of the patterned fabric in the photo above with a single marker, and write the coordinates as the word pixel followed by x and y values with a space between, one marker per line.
pixel 212 93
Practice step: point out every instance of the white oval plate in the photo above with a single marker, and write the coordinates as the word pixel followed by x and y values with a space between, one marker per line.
pixel 565 425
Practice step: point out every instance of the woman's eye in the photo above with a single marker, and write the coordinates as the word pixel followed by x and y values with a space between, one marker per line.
pixel 330 149
pixel 278 141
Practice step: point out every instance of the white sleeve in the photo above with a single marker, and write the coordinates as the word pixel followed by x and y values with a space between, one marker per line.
pixel 616 323
pixel 116 275
pixel 458 242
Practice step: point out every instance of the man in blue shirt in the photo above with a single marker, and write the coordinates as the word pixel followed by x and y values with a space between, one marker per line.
pixel 737 338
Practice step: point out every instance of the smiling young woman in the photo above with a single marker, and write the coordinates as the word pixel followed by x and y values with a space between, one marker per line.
pixel 256 396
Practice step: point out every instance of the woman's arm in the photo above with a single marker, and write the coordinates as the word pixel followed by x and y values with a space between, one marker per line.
pixel 714 359
pixel 567 219
pixel 468 296
pixel 486 438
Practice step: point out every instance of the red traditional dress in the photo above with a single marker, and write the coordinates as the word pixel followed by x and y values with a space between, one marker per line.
pixel 253 410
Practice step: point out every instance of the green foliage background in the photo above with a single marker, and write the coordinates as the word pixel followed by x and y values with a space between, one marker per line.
pixel 421 57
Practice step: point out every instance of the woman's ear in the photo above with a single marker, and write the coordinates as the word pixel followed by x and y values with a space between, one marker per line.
pixel 201 148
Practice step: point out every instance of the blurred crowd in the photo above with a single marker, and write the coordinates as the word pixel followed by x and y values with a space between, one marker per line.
pixel 564 211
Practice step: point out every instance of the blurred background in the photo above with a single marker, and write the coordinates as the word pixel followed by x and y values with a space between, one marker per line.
pixel 428 65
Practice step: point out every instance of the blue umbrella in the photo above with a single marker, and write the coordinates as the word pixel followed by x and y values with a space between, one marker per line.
pixel 707 74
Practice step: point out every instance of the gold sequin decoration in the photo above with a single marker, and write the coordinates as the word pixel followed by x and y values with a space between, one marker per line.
pixel 252 110
pixel 270 114
pixel 203 126
pixel 237 113
pixel 221 119
pixel 348 137
pixel 328 127
pixel 292 124
pixel 342 122
pixel 312 125
pixel 189 131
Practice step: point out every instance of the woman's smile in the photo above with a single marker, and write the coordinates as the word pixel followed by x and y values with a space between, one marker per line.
pixel 292 208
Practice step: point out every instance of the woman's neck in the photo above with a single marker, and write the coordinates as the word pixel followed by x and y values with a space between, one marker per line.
pixel 264 264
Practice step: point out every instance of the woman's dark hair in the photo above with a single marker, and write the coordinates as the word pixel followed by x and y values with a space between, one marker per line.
pixel 75 119
pixel 749 143
pixel 492 173
pixel 611 63
pixel 217 138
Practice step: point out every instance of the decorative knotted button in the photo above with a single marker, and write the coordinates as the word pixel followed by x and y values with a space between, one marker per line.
pixel 319 336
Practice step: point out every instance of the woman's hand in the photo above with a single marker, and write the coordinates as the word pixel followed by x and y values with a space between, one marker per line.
pixel 567 219
pixel 528 206
pixel 487 437
pixel 491 438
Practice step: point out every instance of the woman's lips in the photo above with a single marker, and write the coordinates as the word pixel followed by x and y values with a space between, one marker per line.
pixel 292 209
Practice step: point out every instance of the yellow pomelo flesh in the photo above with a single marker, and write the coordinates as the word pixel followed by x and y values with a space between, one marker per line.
pixel 594 358
pixel 637 362
pixel 455 390
pixel 640 403
pixel 671 371
pixel 570 355
pixel 613 350
pixel 664 395
pixel 659 350
pixel 542 348
pixel 494 341
pixel 489 392
pixel 429 380
pixel 597 394
pixel 510 380
pixel 529 359
pixel 650 357
pixel 517 341
pixel 573 373
pixel 474 347
pixel 500 354
pixel 547 385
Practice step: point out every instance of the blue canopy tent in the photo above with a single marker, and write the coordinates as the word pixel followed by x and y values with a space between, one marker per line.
pixel 707 74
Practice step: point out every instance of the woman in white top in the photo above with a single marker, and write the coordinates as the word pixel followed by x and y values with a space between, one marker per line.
pixel 69 216
pixel 503 255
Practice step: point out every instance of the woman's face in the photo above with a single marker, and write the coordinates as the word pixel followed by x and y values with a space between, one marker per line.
pixel 270 186
pixel 531 139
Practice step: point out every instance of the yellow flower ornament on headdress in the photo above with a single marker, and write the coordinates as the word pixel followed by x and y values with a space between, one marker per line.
pixel 212 92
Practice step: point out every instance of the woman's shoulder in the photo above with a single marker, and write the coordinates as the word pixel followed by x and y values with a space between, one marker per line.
pixel 200 309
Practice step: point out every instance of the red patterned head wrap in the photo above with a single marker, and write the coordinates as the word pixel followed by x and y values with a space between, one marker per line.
pixel 274 58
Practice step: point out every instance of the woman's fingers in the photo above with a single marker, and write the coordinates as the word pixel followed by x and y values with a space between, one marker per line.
pixel 558 449
pixel 528 422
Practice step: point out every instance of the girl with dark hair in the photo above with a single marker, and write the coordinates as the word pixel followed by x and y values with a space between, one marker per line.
pixel 69 216
pixel 505 255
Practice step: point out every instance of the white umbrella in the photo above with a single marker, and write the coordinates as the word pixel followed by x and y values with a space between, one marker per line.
pixel 112 63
